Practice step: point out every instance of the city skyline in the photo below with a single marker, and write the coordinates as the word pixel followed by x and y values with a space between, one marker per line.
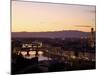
pixel 44 17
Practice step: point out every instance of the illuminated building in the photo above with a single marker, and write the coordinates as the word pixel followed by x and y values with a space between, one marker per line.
pixel 92 39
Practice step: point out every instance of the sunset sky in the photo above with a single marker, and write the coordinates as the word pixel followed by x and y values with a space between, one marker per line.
pixel 42 17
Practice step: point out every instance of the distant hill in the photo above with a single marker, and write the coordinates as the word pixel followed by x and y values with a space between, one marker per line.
pixel 54 34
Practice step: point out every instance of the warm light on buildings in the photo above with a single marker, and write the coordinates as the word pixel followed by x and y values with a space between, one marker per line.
pixel 32 52
pixel 40 52
pixel 23 53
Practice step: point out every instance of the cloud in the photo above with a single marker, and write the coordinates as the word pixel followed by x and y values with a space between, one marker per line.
pixel 82 25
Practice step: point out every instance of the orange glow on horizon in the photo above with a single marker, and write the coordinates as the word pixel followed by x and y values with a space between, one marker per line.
pixel 43 17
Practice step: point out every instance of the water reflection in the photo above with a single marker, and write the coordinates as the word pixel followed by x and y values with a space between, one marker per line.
pixel 23 53
pixel 32 54
pixel 40 53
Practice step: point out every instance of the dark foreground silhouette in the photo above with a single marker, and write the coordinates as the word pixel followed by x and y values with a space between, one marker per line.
pixel 22 65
